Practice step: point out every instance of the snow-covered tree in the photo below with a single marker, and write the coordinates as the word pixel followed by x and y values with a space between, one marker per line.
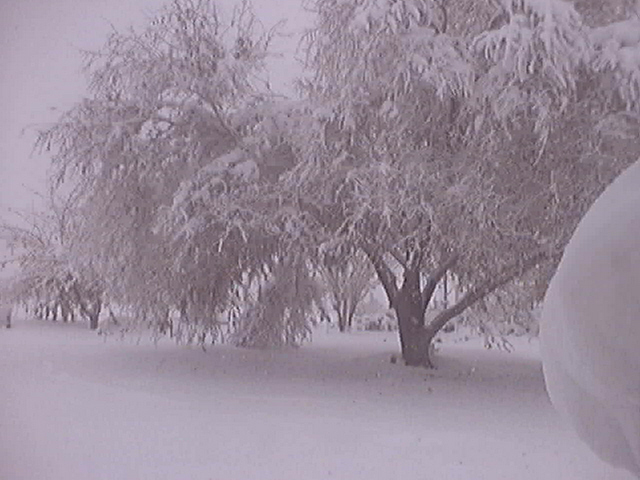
pixel 51 279
pixel 428 140
pixel 443 151
pixel 170 107
pixel 235 225
pixel 347 277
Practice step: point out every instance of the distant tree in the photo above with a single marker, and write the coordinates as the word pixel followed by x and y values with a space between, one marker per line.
pixel 347 278
pixel 51 278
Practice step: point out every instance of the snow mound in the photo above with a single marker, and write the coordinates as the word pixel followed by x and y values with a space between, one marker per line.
pixel 590 327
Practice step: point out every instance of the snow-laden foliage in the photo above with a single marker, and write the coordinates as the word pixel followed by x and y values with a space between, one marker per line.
pixel 51 278
pixel 234 222
pixel 279 314
pixel 166 135
pixel 532 61
pixel 428 140
pixel 442 151
pixel 403 55
pixel 618 52
pixel 595 13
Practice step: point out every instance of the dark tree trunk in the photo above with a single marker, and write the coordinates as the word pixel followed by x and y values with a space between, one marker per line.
pixel 414 340
pixel 92 311
pixel 410 303
pixel 350 314
pixel 166 324
pixel 65 307
pixel 410 307
pixel 342 316
pixel 346 311
pixel 93 320
pixel 184 313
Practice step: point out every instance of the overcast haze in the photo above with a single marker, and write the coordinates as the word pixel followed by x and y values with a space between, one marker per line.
pixel 40 75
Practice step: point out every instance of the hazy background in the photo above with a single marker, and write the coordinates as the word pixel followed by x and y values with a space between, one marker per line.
pixel 40 71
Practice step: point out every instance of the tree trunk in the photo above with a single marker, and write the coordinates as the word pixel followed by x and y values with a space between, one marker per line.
pixel 410 306
pixel 93 320
pixel 342 326
pixel 414 339
pixel 342 317
pixel 350 314
pixel 410 303
pixel 93 313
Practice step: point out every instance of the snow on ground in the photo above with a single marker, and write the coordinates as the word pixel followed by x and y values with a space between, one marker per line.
pixel 77 407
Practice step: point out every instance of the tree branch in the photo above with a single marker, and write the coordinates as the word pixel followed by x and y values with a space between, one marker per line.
pixel 445 19
pixel 485 289
pixel 397 257
pixel 434 278
pixel 385 274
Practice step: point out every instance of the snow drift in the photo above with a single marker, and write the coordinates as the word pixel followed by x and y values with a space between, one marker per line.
pixel 590 332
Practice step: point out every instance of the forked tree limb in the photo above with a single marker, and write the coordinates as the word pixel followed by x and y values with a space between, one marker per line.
pixel 384 272
pixel 485 289
pixel 434 278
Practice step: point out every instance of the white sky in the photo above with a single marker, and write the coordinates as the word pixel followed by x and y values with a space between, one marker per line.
pixel 40 70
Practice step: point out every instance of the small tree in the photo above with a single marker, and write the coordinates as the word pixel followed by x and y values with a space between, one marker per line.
pixel 51 276
pixel 347 279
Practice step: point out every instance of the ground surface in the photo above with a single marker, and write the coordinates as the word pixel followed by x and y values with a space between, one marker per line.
pixel 74 407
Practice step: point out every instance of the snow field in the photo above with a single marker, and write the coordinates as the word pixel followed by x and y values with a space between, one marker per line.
pixel 77 407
